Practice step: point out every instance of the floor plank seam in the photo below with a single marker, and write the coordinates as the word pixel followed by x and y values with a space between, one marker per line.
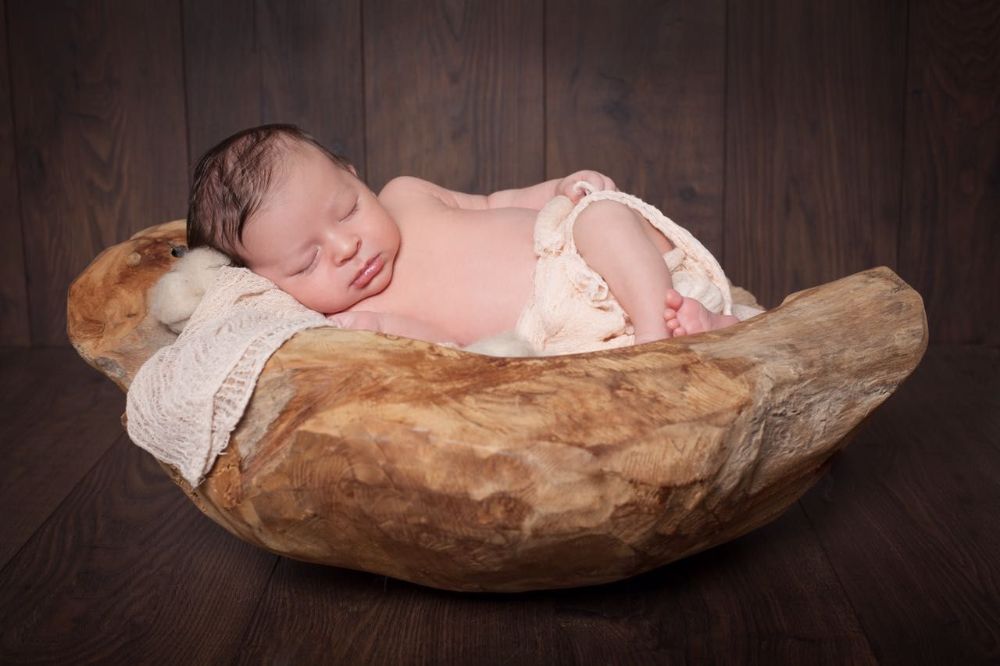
pixel 55 510
pixel 840 583
pixel 256 609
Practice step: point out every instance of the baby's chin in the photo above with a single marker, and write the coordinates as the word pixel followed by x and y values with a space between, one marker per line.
pixel 324 306
pixel 366 301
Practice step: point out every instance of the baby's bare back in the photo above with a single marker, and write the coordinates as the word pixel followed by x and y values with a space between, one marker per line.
pixel 468 272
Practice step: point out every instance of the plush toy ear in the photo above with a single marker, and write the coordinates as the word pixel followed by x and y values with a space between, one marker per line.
pixel 174 297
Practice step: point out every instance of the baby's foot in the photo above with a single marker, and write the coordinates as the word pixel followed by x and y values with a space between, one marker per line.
pixel 686 316
pixel 642 338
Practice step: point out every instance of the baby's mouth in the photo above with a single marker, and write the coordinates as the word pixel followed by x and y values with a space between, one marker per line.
pixel 371 268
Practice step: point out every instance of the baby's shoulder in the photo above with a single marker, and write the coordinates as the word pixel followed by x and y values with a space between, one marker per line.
pixel 409 190
pixel 418 193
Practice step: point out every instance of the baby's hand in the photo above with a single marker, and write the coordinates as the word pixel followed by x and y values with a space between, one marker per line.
pixel 598 180
pixel 358 320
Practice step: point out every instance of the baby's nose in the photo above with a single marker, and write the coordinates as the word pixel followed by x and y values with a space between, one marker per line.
pixel 345 247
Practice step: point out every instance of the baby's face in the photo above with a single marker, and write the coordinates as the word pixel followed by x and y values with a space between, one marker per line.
pixel 321 235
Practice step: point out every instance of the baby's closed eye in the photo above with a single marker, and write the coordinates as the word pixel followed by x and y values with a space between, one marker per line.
pixel 308 266
pixel 354 209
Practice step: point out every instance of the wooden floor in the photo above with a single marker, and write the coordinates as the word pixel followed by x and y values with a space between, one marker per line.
pixel 894 557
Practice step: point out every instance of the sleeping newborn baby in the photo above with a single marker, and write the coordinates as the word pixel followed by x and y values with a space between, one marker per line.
pixel 424 262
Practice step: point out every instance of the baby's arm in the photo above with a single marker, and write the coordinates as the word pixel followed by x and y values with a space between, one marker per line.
pixel 536 196
pixel 627 251
pixel 406 327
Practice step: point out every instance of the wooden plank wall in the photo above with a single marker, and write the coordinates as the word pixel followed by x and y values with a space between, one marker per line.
pixel 814 115
pixel 801 140
pixel 13 296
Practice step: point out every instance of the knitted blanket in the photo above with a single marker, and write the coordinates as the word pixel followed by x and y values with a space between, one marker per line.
pixel 188 397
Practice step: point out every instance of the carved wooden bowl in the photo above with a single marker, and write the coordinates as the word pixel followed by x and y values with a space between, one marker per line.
pixel 475 473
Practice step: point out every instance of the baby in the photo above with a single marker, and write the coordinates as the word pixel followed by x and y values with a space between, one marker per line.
pixel 417 260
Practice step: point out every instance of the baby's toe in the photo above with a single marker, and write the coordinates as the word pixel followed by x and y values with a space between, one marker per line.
pixel 674 299
pixel 693 317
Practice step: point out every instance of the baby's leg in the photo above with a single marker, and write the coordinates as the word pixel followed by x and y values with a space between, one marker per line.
pixel 686 316
pixel 622 246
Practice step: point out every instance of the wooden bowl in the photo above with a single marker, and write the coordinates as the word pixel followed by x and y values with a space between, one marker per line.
pixel 475 473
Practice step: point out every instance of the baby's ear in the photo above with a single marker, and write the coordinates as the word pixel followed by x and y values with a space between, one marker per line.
pixel 350 167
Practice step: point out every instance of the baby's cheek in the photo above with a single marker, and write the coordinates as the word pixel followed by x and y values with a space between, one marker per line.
pixel 301 296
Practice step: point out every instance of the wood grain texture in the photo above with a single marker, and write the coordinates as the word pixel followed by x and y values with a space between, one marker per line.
pixel 73 426
pixel 920 485
pixel 453 92
pixel 638 95
pixel 222 71
pixel 822 178
pixel 949 239
pixel 311 70
pixel 123 319
pixel 268 61
pixel 763 598
pixel 13 290
pixel 98 103
pixel 468 472
pixel 314 614
pixel 92 583
pixel 770 597
pixel 813 141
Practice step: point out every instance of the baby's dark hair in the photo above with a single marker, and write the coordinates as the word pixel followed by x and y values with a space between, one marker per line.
pixel 231 180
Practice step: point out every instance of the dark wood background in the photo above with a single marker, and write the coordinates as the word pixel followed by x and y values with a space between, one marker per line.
pixel 801 140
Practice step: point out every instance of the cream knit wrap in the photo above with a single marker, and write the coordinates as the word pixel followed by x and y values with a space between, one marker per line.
pixel 571 307
pixel 188 397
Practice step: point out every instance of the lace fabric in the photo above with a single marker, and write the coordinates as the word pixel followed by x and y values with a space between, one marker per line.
pixel 187 398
